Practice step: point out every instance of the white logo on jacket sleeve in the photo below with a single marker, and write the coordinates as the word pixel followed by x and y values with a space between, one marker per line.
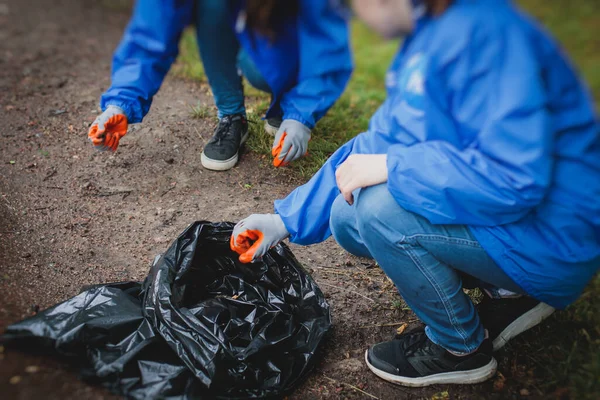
pixel 411 81
pixel 416 83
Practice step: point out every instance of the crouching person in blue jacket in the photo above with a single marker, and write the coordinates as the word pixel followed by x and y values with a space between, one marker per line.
pixel 296 50
pixel 482 163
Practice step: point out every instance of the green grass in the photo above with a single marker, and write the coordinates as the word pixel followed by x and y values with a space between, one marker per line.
pixel 201 111
pixel 572 359
pixel 575 25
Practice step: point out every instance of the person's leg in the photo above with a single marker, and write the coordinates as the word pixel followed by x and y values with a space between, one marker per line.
pixel 423 261
pixel 343 225
pixel 248 68
pixel 219 49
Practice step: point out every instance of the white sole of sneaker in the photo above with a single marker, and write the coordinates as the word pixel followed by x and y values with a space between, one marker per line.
pixel 460 377
pixel 222 165
pixel 526 321
pixel 270 129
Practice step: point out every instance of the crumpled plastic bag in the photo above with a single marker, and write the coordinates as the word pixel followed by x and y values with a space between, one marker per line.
pixel 201 325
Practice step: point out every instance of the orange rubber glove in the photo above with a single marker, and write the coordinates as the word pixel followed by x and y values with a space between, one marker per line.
pixel 257 234
pixel 108 129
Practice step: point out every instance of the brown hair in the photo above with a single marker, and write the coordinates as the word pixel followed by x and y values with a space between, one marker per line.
pixel 266 17
pixel 436 7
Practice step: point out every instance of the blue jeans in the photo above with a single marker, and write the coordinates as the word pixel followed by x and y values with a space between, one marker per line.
pixel 223 61
pixel 426 262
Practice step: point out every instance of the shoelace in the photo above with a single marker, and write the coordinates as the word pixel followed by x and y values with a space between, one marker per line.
pixel 418 343
pixel 223 129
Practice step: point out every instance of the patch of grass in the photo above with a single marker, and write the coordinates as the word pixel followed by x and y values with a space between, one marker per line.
pixel 580 370
pixel 188 65
pixel 576 28
pixel 202 111
pixel 398 304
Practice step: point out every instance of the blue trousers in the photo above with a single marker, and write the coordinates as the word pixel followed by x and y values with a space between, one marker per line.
pixel 223 60
pixel 426 262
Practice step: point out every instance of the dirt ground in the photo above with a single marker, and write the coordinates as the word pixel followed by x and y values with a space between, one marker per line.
pixel 70 216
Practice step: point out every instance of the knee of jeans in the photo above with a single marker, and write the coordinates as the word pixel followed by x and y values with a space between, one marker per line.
pixel 338 219
pixel 378 213
pixel 212 12
pixel 248 68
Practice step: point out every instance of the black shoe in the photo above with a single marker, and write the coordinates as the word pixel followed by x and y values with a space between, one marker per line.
pixel 272 125
pixel 221 152
pixel 414 360
pixel 506 318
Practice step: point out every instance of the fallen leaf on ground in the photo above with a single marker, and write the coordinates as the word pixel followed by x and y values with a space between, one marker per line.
pixel 32 369
pixel 499 382
pixel 441 396
pixel 400 330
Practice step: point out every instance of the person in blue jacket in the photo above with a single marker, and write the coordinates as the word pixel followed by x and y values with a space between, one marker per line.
pixel 296 50
pixel 481 168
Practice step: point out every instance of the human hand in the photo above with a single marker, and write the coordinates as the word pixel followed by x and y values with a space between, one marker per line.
pixel 359 171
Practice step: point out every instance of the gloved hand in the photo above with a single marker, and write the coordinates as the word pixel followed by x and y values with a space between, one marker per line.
pixel 108 129
pixel 291 142
pixel 254 236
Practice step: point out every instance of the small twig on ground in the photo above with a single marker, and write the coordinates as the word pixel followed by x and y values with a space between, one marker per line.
pixel 49 175
pixel 351 386
pixel 384 325
pixel 327 271
pixel 328 268
pixel 198 133
pixel 167 190
pixel 348 290
pixel 116 192
pixel 55 187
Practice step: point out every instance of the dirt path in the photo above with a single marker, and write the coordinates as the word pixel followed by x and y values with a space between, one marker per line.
pixel 70 216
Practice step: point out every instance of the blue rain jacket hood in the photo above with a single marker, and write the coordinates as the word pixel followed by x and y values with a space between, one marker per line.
pixel 307 66
pixel 485 124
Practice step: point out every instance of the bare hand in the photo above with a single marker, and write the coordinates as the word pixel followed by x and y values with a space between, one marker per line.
pixel 359 171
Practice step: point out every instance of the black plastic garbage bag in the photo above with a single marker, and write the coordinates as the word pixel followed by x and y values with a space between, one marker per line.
pixel 202 324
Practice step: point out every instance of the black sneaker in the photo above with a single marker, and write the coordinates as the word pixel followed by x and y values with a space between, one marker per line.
pixel 221 152
pixel 506 318
pixel 272 125
pixel 414 360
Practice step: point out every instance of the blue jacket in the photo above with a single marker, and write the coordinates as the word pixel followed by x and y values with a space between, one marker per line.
pixel 307 67
pixel 487 125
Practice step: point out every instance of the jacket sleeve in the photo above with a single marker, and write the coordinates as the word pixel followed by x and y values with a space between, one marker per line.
pixel 145 54
pixel 325 63
pixel 505 172
pixel 305 212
